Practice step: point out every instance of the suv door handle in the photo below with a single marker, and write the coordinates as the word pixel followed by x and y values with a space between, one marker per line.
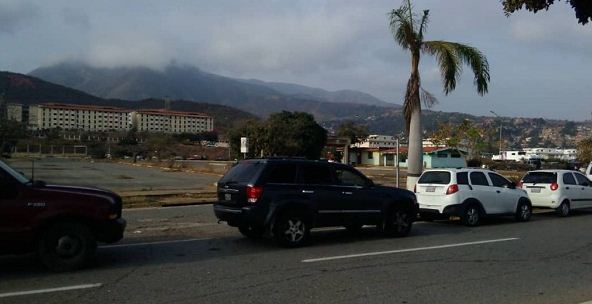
pixel 498 191
pixel 566 188
pixel 347 192
pixel 308 191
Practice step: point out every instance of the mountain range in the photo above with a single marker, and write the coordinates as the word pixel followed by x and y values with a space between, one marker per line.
pixel 190 83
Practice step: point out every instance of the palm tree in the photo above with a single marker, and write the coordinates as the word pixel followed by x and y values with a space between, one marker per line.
pixel 408 31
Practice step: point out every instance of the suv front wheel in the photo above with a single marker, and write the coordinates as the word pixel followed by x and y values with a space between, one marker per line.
pixel 398 223
pixel 292 229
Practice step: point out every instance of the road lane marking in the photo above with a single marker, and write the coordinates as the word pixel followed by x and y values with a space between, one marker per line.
pixel 350 256
pixel 155 243
pixel 48 290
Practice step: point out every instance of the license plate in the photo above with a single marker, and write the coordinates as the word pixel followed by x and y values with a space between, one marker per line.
pixel 535 190
pixel 227 197
pixel 430 189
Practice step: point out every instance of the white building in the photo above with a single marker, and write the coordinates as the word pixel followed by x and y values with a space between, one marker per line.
pixel 537 153
pixel 171 121
pixel 78 117
pixel 377 141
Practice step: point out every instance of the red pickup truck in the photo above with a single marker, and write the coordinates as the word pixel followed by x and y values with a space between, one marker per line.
pixel 62 224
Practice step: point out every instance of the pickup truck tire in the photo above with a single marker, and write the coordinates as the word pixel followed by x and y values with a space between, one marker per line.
pixel 66 246
pixel 292 229
pixel 398 223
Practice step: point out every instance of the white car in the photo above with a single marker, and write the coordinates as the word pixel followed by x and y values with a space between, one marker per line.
pixel 561 190
pixel 470 194
pixel 589 171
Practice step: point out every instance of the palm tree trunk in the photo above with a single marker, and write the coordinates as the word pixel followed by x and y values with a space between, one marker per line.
pixel 415 154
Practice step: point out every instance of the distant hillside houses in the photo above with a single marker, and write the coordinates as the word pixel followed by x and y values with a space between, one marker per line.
pixel 103 119
pixel 537 153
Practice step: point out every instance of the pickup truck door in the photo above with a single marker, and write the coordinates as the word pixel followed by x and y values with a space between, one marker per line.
pixel 16 214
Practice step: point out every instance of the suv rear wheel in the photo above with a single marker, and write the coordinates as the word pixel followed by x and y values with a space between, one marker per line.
pixel 471 215
pixel 398 223
pixel 292 229
pixel 66 246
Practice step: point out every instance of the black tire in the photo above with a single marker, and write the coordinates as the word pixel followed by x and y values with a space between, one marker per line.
pixel 523 211
pixel 66 246
pixel 251 232
pixel 398 223
pixel 292 229
pixel 471 215
pixel 564 209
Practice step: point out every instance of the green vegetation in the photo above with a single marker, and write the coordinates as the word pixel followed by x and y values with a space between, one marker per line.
pixel 582 8
pixel 585 150
pixel 355 132
pixel 282 134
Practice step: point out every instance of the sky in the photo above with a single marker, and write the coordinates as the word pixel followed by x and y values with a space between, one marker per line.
pixel 540 63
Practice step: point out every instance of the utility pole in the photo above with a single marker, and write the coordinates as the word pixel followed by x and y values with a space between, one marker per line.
pixel 501 126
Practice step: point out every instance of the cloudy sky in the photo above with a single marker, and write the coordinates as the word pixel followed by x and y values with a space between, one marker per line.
pixel 540 63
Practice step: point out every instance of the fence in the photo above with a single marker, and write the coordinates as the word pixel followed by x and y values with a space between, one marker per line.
pixel 76 150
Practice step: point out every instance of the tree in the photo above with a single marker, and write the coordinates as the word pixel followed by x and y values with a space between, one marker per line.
pixel 356 133
pixel 585 150
pixel 408 31
pixel 283 134
pixel 582 8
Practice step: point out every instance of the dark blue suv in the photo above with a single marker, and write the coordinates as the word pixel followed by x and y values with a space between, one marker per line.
pixel 285 198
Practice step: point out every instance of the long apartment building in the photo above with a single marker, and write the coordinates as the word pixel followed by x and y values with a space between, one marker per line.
pixel 171 121
pixel 97 118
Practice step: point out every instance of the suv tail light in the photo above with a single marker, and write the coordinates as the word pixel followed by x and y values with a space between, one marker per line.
pixel 254 193
pixel 415 188
pixel 554 186
pixel 452 189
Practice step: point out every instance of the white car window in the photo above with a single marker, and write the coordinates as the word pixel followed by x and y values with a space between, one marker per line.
pixel 568 179
pixel 582 180
pixel 498 180
pixel 478 179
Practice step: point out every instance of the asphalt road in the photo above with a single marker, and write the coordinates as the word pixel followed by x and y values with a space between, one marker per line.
pixel 547 260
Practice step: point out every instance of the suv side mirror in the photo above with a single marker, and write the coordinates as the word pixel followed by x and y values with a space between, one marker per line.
pixel 511 185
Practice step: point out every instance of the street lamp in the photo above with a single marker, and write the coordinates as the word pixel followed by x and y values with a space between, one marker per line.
pixel 500 140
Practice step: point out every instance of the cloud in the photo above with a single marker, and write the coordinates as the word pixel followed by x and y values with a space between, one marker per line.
pixel 15 15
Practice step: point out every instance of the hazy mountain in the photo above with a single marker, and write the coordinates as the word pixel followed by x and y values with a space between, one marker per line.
pixel 190 83
pixel 19 88
pixel 342 96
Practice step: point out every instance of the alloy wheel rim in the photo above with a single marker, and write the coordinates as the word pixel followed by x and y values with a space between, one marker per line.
pixel 295 230
pixel 473 216
pixel 525 211
pixel 401 221
pixel 68 246
pixel 565 209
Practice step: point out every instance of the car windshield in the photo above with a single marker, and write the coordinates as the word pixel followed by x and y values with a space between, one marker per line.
pixel 243 172
pixel 435 177
pixel 20 177
pixel 540 178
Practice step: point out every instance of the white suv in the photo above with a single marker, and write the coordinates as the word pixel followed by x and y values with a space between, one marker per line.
pixel 589 171
pixel 469 194
pixel 561 190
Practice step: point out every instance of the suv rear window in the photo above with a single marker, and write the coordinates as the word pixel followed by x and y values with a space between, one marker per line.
pixel 435 177
pixel 243 172
pixel 540 178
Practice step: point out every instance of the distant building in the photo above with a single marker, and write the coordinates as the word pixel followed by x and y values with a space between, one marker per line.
pixel 17 112
pixel 537 153
pixel 78 117
pixel 171 121
pixel 102 119
pixel 377 141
